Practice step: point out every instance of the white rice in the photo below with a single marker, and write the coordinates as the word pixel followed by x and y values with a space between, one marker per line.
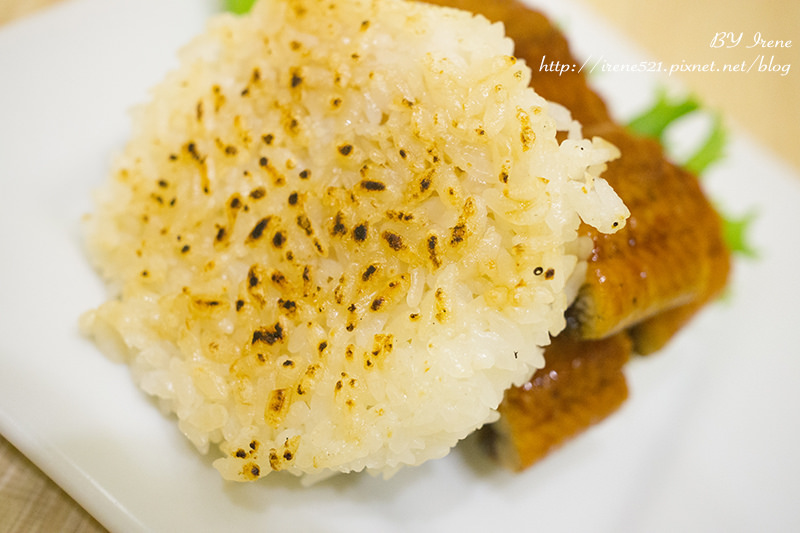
pixel 340 231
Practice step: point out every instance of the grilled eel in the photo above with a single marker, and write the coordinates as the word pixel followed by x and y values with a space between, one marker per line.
pixel 643 284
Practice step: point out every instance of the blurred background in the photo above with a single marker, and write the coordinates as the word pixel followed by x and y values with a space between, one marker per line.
pixel 764 104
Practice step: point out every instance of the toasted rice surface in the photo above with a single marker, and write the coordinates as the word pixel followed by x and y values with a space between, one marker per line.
pixel 340 231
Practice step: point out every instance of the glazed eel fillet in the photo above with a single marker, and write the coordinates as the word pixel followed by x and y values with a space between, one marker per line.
pixel 643 284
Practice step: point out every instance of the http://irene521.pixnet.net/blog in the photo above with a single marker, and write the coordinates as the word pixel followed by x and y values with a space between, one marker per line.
pixel 759 55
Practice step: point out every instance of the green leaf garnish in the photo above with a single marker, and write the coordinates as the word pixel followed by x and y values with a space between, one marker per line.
pixel 735 232
pixel 239 6
pixel 654 122
pixel 712 150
